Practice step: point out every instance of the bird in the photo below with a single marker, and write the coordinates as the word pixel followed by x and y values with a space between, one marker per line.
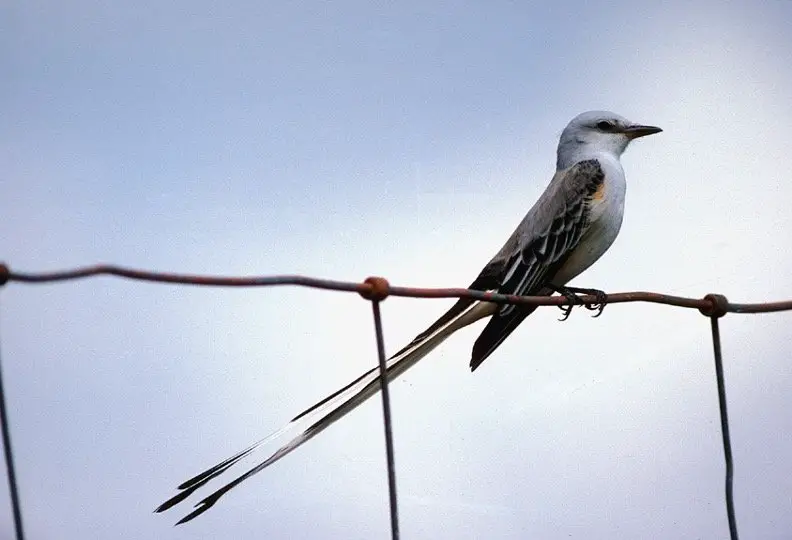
pixel 571 225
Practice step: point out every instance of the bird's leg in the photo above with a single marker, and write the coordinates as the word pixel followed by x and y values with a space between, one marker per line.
pixel 571 294
pixel 598 305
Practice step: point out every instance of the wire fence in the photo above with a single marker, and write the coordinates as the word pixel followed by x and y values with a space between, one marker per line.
pixel 377 289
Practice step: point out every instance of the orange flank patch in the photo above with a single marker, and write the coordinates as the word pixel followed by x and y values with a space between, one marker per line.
pixel 600 193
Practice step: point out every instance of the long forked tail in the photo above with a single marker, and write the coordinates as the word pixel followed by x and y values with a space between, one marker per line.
pixel 321 415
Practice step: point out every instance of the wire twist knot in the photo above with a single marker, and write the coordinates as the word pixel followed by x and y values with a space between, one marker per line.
pixel 719 306
pixel 377 289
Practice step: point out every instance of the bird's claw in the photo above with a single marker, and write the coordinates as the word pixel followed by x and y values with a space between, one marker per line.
pixel 599 304
pixel 571 294
pixel 573 300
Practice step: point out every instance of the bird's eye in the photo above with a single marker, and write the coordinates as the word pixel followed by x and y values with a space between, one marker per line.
pixel 605 126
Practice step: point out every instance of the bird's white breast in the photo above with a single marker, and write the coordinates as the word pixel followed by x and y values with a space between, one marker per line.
pixel 605 217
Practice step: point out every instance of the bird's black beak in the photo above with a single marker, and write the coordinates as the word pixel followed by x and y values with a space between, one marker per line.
pixel 637 130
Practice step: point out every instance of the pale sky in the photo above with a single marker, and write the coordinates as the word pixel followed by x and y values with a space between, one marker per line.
pixel 348 139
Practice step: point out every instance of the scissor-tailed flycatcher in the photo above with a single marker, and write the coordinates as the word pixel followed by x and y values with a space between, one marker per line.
pixel 572 224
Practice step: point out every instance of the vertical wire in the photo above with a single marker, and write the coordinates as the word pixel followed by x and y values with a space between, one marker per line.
pixel 386 413
pixel 724 420
pixel 9 460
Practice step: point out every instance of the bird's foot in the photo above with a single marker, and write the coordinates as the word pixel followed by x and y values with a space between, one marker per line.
pixel 572 295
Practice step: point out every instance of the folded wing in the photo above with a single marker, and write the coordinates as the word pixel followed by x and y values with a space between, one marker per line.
pixel 547 235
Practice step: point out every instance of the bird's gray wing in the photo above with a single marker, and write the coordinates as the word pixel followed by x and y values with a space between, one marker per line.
pixel 538 247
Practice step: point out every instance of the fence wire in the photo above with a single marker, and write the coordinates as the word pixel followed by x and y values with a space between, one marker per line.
pixel 377 289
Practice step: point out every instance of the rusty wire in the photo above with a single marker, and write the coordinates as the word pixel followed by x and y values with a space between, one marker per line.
pixel 703 304
pixel 387 421
pixel 375 290
pixel 724 418
pixel 16 507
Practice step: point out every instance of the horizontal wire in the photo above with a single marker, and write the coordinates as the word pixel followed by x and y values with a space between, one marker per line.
pixel 367 288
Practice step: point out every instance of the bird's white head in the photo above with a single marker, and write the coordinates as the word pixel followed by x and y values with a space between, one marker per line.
pixel 596 132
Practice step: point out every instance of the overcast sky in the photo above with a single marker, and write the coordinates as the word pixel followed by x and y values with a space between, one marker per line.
pixel 347 139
